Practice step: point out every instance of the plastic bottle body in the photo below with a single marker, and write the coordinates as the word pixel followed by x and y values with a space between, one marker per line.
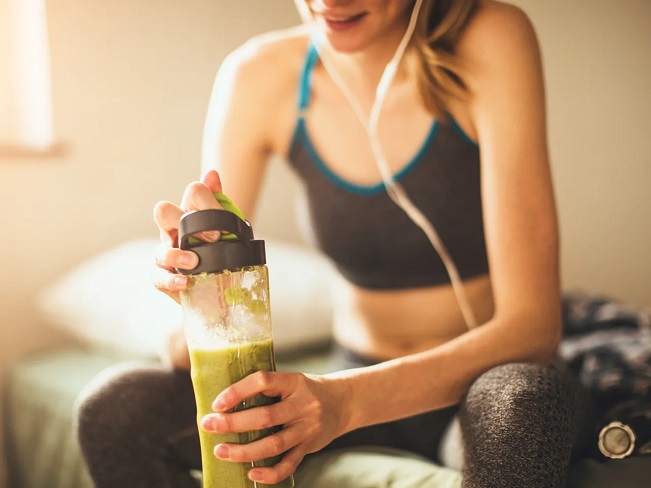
pixel 227 321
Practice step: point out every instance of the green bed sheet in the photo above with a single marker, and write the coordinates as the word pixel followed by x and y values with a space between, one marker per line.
pixel 38 398
pixel 40 391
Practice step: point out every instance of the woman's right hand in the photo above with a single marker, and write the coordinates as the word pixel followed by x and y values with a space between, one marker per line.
pixel 168 256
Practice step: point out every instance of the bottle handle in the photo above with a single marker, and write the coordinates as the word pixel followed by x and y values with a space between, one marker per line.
pixel 211 220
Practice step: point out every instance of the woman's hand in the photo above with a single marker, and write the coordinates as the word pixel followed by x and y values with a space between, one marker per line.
pixel 197 196
pixel 312 411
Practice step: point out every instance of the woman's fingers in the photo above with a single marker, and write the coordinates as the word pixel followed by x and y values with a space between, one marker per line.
pixel 167 216
pixel 171 258
pixel 309 411
pixel 270 446
pixel 212 180
pixel 198 196
pixel 164 276
pixel 272 384
pixel 286 441
pixel 169 283
pixel 287 466
pixel 252 419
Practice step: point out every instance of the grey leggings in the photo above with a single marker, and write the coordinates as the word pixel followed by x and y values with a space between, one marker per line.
pixel 521 425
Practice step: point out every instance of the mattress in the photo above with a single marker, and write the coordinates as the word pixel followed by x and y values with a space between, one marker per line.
pixel 40 393
pixel 38 400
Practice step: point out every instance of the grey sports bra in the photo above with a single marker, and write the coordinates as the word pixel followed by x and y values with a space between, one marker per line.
pixel 372 242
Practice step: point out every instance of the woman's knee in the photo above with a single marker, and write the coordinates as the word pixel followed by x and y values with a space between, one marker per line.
pixel 518 385
pixel 520 425
pixel 128 398
pixel 512 396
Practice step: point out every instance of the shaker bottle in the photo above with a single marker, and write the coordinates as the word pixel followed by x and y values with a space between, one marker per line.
pixel 227 322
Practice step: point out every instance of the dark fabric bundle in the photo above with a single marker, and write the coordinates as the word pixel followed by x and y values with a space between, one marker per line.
pixel 607 344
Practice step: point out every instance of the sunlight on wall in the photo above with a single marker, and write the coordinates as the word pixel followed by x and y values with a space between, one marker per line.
pixel 30 78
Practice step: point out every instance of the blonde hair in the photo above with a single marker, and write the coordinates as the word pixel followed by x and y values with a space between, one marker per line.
pixel 431 54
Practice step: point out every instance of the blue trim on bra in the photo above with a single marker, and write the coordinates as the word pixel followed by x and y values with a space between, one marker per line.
pixel 302 135
pixel 306 77
pixel 455 125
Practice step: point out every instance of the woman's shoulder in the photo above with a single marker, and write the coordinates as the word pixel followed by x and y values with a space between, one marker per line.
pixel 499 38
pixel 493 15
pixel 269 59
pixel 496 25
pixel 257 83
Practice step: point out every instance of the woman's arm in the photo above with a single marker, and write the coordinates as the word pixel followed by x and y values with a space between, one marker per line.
pixel 507 107
pixel 237 137
pixel 237 141
pixel 508 110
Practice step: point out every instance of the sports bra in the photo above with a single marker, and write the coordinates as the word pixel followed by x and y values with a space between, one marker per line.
pixel 371 241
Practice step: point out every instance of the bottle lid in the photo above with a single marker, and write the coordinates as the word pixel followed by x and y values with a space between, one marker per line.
pixel 223 254
pixel 616 440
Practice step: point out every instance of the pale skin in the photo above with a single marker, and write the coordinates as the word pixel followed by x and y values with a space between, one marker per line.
pixel 431 358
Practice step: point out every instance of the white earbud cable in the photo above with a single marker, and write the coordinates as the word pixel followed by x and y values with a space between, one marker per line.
pixel 393 188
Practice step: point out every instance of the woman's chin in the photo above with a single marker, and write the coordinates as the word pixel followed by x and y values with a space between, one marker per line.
pixel 341 44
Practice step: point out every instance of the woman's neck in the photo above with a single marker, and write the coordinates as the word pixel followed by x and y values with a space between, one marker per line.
pixel 362 70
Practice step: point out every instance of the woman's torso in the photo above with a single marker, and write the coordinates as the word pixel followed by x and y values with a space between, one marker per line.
pixel 381 323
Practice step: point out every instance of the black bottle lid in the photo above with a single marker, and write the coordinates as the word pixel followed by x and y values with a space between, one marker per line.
pixel 224 254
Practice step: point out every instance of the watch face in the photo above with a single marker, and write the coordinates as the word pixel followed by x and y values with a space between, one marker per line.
pixel 616 440
pixel 627 429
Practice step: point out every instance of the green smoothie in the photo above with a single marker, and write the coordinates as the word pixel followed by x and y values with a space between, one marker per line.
pixel 212 371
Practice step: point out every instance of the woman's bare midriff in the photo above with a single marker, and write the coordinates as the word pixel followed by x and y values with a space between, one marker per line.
pixel 391 324
pixel 378 324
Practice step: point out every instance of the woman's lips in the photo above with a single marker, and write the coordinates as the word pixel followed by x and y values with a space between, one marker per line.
pixel 343 23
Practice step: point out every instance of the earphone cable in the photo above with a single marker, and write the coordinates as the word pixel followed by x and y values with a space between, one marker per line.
pixel 393 188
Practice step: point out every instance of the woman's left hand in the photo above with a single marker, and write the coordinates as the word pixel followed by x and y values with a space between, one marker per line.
pixel 312 411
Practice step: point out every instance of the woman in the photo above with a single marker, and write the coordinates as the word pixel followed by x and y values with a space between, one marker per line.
pixel 471 87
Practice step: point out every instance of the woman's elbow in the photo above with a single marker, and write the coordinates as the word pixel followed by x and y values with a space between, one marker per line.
pixel 549 334
pixel 537 335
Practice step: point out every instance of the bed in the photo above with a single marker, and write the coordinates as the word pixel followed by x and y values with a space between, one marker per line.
pixel 41 388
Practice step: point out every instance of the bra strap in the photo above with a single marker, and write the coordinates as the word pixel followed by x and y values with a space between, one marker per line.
pixel 305 86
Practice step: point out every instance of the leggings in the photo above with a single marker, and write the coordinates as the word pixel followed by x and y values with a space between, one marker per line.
pixel 519 425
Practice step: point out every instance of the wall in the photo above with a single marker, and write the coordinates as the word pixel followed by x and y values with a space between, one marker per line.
pixel 131 84
pixel 597 60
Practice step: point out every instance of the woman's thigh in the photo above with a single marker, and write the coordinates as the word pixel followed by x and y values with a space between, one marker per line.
pixel 419 434
pixel 136 424
pixel 522 424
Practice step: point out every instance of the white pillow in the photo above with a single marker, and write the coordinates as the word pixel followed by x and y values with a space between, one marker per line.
pixel 110 300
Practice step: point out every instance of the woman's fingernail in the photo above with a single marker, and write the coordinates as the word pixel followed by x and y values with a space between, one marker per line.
pixel 180 281
pixel 255 475
pixel 211 235
pixel 218 405
pixel 221 451
pixel 208 423
pixel 187 260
